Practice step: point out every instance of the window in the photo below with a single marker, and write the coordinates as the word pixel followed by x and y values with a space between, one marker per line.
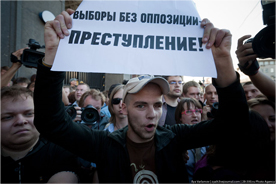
pixel 261 63
pixel 271 70
pixel 266 70
pixel 266 62
pixel 271 62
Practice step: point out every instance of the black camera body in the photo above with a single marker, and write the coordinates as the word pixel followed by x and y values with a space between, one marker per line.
pixel 71 111
pixel 89 114
pixel 263 43
pixel 214 110
pixel 30 57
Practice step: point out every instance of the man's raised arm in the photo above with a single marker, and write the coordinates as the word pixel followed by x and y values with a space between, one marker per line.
pixel 54 30
pixel 233 109
pixel 219 40
pixel 51 120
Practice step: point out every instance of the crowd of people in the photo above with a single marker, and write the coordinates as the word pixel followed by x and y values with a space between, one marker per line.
pixel 152 129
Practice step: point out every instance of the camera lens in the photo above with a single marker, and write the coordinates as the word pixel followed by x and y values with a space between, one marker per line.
pixel 90 114
pixel 216 105
pixel 264 42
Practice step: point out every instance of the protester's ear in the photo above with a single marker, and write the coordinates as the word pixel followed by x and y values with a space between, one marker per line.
pixel 124 109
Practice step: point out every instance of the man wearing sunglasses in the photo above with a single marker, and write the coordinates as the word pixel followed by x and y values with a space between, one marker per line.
pixel 170 100
pixel 142 151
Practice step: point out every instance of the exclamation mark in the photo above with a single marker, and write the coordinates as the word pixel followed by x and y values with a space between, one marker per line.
pixel 200 44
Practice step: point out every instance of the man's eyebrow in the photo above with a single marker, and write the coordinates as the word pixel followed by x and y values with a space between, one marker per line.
pixel 159 103
pixel 5 113
pixel 12 111
pixel 140 102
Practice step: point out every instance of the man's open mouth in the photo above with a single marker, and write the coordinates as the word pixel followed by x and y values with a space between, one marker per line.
pixel 150 126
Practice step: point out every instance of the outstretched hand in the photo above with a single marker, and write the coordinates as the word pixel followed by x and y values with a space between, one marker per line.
pixel 245 52
pixel 54 31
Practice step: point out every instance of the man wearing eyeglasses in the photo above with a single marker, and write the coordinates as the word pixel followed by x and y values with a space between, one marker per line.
pixel 170 100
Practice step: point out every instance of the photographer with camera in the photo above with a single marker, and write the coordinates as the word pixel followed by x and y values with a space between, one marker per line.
pixel 261 46
pixel 249 66
pixel 80 90
pixel 26 56
pixel 16 64
pixel 91 103
pixel 211 98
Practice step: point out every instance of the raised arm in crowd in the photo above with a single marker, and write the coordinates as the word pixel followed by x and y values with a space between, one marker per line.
pixel 249 65
pixel 7 77
pixel 141 148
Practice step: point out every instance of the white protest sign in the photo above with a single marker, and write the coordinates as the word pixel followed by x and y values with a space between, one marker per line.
pixel 136 37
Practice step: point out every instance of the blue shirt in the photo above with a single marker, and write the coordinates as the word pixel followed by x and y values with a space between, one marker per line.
pixel 190 165
pixel 105 111
pixel 110 128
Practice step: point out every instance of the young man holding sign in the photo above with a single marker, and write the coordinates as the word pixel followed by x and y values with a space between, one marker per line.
pixel 142 151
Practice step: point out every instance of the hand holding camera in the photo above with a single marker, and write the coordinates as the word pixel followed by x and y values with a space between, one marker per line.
pixel 28 57
pixel 261 46
pixel 89 114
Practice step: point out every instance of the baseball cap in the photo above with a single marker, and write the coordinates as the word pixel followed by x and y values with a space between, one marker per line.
pixel 134 85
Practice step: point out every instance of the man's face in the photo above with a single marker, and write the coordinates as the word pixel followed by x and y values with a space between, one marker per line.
pixel 211 95
pixel 17 117
pixel 175 89
pixel 251 91
pixel 144 110
pixel 73 83
pixel 117 108
pixel 193 92
pixel 79 91
pixel 95 103
pixel 268 113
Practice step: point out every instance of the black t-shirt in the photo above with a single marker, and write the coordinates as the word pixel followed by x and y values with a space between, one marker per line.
pixel 170 118
pixel 39 165
pixel 142 161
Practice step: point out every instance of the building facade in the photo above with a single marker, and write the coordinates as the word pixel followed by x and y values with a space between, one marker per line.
pixel 267 66
pixel 20 21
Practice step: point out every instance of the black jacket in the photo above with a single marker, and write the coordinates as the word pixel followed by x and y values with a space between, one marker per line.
pixel 39 165
pixel 108 150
